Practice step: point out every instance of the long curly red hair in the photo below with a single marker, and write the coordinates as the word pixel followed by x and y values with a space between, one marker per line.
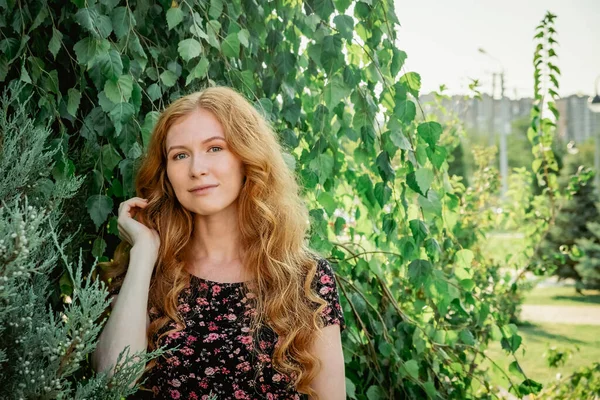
pixel 273 221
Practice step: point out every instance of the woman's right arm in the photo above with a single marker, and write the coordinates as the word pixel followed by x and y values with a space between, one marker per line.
pixel 128 319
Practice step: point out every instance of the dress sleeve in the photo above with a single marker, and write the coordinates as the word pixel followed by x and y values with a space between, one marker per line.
pixel 326 288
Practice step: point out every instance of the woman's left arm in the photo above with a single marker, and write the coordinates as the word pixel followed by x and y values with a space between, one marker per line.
pixel 330 383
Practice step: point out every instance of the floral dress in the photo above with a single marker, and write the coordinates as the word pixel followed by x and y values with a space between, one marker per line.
pixel 216 356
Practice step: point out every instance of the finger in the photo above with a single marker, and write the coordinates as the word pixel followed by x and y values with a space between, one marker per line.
pixel 129 205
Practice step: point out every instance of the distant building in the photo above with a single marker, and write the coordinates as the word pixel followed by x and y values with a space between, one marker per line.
pixel 483 115
pixel 577 122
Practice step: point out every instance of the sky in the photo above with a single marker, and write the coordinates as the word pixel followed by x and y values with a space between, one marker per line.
pixel 442 37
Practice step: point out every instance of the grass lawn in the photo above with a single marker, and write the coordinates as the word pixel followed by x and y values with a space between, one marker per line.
pixel 562 296
pixel 536 340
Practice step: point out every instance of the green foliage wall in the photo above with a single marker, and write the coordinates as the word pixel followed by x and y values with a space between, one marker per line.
pixel 420 304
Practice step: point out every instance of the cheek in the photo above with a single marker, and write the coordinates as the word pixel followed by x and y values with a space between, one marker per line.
pixel 175 178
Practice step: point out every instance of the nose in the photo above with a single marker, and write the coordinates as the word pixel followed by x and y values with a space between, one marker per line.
pixel 198 166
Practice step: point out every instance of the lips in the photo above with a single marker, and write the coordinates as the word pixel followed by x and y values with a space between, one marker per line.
pixel 202 187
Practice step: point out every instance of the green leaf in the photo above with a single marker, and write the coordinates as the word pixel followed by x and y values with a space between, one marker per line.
pixel 73 102
pixel 511 343
pixel 244 37
pixel 335 91
pixel 322 165
pixel 290 161
pixel 495 332
pixel 328 203
pixel 424 178
pixel 126 167
pixel 154 92
pixel 65 284
pixel 95 23
pixel 216 9
pixel 375 393
pixel 199 71
pixel 134 152
pixel 55 42
pixel 384 166
pixel 430 132
pixel 231 45
pixel 345 25
pixel 433 249
pixel 174 17
pixel 437 155
pixel 285 63
pixel 529 386
pixel 122 21
pixel 98 208
pixel 111 64
pixel 462 273
pixel 41 17
pixel 50 81
pixel 98 247
pixel 467 337
pixel 149 122
pixel 25 75
pixel 411 181
pixel 467 284
pixel 112 226
pixel 168 78
pixel 342 5
pixel 431 205
pixel 119 91
pixel 464 258
pixel 110 158
pixel 389 224
pixel 350 389
pixel 419 271
pixel 115 190
pixel 419 230
pixel 400 140
pixel 189 48
pixel 385 349
pixel 88 50
pixel 405 110
pixel 121 114
pixel 412 368
pixel 212 28
pixel 196 28
pixel 412 82
pixel 383 193
pixel 264 106
pixel 397 61
pixel 136 97
pixel 323 8
pixel 515 369
pixel 106 104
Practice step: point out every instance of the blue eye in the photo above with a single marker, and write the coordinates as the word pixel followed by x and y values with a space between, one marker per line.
pixel 176 155
pixel 215 147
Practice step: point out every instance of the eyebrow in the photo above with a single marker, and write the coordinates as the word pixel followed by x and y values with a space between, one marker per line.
pixel 203 142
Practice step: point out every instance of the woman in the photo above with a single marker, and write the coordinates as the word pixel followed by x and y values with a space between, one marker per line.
pixel 215 249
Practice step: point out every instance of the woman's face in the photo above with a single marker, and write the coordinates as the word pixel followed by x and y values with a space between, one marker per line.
pixel 197 155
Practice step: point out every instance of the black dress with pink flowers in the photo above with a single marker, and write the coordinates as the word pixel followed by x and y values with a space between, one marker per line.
pixel 216 357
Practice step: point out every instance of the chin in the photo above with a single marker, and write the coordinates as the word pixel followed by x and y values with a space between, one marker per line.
pixel 204 210
pixel 211 209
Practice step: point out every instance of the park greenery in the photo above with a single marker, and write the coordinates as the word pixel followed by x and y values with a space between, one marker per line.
pixel 83 84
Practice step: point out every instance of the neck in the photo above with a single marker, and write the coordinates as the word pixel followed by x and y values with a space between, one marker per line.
pixel 216 238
